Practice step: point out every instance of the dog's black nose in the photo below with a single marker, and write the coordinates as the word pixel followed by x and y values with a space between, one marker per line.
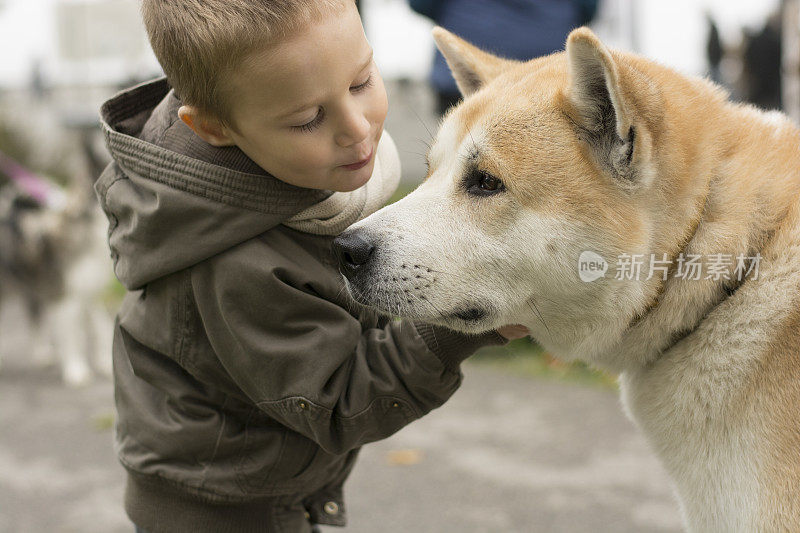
pixel 353 251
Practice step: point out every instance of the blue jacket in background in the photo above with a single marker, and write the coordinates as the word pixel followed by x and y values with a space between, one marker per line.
pixel 516 29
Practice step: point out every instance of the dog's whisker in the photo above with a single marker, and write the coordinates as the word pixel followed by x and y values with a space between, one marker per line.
pixel 541 297
pixel 474 144
pixel 539 314
pixel 430 133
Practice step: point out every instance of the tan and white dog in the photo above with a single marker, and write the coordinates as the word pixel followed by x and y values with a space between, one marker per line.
pixel 589 159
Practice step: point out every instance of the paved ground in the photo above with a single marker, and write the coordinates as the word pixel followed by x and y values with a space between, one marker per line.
pixel 506 454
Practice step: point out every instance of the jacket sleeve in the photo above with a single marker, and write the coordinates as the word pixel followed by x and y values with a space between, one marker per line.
pixel 313 366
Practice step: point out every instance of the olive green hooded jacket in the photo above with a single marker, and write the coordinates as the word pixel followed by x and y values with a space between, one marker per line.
pixel 244 377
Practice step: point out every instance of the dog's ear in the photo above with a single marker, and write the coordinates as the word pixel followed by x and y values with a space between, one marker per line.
pixel 471 66
pixel 599 106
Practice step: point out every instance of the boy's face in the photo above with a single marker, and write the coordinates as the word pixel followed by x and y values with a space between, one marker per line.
pixel 310 109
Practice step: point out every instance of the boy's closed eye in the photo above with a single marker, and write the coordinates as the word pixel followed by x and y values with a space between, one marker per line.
pixel 362 86
pixel 312 124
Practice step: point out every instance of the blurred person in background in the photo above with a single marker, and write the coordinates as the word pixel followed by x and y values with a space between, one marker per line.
pixel 761 64
pixel 516 29
pixel 714 50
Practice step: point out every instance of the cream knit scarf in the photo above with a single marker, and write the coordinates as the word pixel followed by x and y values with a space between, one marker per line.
pixel 332 215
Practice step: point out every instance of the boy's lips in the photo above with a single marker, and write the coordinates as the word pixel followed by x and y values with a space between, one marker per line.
pixel 359 164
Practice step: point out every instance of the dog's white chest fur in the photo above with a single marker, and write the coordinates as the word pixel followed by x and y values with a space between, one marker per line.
pixel 697 406
pixel 708 454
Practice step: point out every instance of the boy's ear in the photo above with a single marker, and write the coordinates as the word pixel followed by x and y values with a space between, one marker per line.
pixel 210 130
pixel 471 67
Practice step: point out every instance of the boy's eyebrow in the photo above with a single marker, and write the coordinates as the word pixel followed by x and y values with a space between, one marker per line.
pixel 366 63
pixel 306 105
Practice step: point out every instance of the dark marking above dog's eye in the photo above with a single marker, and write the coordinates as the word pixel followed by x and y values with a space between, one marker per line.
pixel 481 183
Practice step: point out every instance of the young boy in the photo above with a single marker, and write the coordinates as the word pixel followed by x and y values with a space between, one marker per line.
pixel 245 380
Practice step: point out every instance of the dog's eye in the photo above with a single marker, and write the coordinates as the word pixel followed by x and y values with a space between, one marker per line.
pixel 484 184
pixel 490 183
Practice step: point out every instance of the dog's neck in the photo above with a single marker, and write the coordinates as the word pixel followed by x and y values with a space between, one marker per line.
pixel 639 317
pixel 649 325
pixel 677 306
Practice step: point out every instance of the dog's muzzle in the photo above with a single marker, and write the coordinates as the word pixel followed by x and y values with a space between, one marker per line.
pixel 353 250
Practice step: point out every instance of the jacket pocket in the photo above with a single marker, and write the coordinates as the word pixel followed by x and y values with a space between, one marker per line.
pixel 273 458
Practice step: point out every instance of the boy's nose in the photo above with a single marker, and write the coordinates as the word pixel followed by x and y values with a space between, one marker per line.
pixel 353 251
pixel 355 128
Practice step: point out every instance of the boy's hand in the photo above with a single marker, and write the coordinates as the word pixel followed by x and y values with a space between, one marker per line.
pixel 513 331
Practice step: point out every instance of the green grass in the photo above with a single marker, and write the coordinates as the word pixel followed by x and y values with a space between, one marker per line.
pixel 103 422
pixel 113 294
pixel 402 190
pixel 525 358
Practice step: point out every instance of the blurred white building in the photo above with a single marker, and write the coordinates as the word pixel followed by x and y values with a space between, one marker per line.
pixel 673 32
pixel 86 49
pixel 73 42
pixel 103 41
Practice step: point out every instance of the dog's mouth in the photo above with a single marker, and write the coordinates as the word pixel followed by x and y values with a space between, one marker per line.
pixel 470 314
pixel 391 304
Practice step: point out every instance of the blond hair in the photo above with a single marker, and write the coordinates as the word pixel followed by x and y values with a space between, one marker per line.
pixel 199 43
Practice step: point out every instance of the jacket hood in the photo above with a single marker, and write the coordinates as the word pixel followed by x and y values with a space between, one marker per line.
pixel 172 199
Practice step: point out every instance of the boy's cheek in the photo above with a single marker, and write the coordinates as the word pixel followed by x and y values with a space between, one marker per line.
pixel 317 156
pixel 382 101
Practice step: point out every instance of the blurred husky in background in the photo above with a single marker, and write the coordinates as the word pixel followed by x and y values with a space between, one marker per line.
pixel 53 259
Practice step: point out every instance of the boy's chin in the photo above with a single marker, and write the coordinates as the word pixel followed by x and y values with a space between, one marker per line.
pixel 353 179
